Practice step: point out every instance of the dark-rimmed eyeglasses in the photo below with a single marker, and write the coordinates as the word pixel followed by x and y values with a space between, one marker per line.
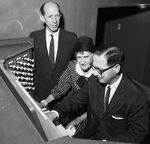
pixel 102 71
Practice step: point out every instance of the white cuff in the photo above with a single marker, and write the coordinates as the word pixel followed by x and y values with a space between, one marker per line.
pixel 44 103
pixel 57 114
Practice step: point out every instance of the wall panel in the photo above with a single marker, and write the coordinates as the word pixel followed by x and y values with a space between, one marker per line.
pixel 19 17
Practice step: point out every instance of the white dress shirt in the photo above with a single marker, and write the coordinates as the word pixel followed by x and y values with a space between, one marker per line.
pixel 48 40
pixel 113 88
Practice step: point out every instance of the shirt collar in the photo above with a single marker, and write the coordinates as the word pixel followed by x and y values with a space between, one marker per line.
pixel 82 73
pixel 115 85
pixel 48 33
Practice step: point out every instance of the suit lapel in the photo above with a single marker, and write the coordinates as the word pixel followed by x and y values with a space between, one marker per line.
pixel 43 48
pixel 117 95
pixel 100 95
pixel 96 96
pixel 43 43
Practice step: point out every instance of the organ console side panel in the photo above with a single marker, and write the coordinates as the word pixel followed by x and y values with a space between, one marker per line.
pixel 16 67
pixel 15 125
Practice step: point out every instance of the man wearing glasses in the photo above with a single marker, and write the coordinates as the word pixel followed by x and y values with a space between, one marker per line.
pixel 117 108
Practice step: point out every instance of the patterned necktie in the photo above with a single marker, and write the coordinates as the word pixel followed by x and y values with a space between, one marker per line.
pixel 106 98
pixel 51 51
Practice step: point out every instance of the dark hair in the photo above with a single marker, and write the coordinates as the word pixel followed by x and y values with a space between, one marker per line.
pixel 84 43
pixel 113 54
pixel 43 5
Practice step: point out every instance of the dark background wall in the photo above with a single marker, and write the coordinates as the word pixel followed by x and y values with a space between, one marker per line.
pixel 19 17
pixel 129 28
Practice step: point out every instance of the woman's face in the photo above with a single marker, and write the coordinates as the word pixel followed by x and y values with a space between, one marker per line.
pixel 84 59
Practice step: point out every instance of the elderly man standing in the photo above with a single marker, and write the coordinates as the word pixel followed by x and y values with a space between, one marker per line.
pixel 53 47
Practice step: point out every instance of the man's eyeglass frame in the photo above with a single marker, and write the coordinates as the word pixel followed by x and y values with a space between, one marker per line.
pixel 102 71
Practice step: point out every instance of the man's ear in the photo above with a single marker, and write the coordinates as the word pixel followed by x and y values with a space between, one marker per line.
pixel 42 18
pixel 117 68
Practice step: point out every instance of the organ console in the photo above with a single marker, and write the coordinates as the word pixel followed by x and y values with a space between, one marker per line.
pixel 21 119
pixel 17 74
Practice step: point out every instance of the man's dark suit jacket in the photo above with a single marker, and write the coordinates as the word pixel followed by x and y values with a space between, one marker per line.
pixel 46 78
pixel 126 118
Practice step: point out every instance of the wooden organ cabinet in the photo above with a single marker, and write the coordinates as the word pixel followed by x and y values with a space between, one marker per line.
pixel 22 121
